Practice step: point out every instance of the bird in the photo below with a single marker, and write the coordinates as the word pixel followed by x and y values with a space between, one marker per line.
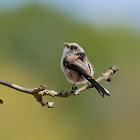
pixel 77 68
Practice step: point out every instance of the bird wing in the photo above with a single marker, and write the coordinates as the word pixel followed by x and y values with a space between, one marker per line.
pixel 74 63
pixel 83 68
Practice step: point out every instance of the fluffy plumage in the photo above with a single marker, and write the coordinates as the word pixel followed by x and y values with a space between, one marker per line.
pixel 77 68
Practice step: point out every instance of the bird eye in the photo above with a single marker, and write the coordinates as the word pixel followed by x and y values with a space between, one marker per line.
pixel 72 47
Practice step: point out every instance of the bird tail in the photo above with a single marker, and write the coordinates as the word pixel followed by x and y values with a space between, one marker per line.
pixel 102 91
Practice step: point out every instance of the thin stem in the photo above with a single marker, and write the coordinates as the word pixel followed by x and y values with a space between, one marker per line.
pixel 38 93
pixel 16 87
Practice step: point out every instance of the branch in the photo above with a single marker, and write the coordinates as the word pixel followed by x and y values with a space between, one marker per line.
pixel 38 93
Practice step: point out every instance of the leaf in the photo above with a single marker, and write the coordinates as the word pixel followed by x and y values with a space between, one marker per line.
pixel 1 101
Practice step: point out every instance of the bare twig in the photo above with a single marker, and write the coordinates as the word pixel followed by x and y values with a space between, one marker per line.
pixel 38 93
pixel 14 86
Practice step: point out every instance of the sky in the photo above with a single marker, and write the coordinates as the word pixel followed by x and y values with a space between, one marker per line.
pixel 99 12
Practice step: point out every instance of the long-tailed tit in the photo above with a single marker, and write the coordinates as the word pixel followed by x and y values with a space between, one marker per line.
pixel 77 69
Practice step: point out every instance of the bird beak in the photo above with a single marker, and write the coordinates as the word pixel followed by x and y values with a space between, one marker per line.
pixel 66 44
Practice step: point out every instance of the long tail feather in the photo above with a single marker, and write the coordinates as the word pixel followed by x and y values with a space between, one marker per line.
pixel 102 91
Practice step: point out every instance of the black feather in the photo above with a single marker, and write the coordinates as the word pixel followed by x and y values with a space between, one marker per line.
pixel 83 72
pixel 98 87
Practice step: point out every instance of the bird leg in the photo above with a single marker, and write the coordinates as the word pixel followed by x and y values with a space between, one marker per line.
pixel 90 85
pixel 73 87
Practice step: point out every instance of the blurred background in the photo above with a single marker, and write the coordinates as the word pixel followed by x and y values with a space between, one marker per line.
pixel 32 34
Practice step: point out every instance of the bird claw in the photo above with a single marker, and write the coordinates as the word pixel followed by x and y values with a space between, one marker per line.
pixel 74 88
pixel 90 85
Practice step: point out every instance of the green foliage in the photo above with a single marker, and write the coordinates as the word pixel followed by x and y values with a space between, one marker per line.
pixel 1 101
pixel 31 40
